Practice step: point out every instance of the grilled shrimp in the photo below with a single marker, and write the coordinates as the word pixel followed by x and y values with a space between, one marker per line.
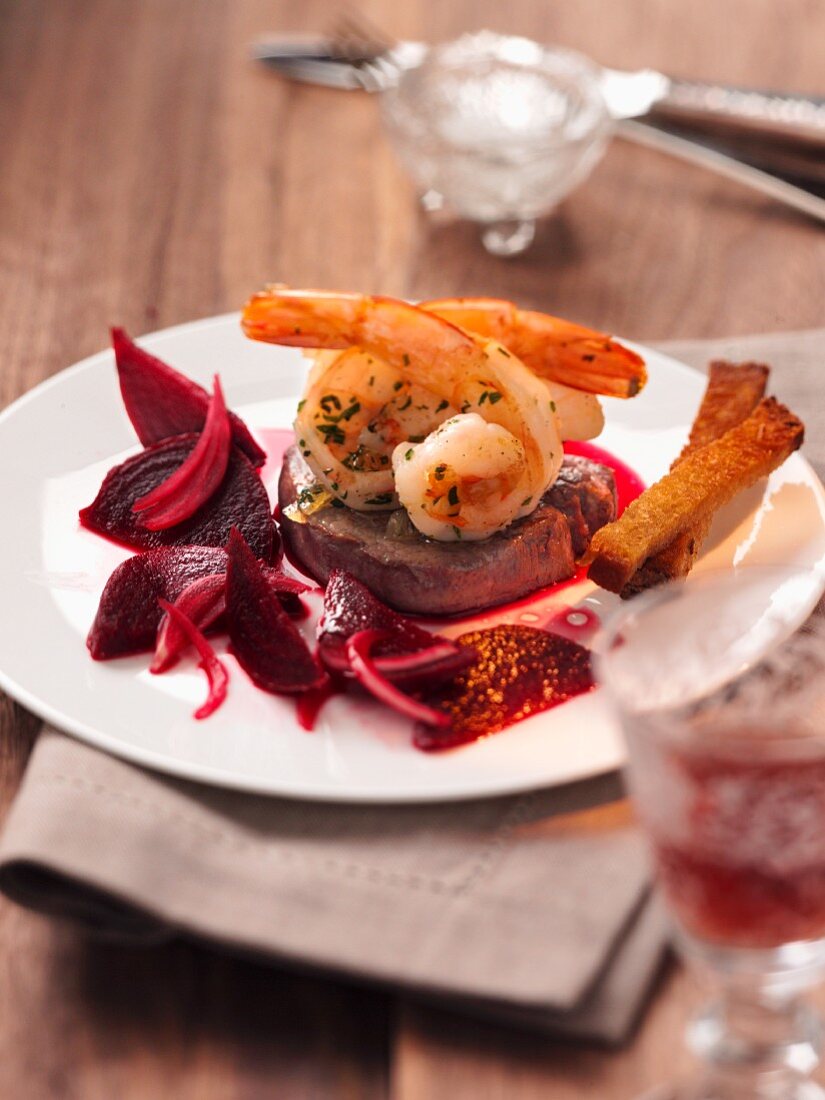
pixel 417 349
pixel 554 349
pixel 580 415
pixel 463 480
pixel 355 410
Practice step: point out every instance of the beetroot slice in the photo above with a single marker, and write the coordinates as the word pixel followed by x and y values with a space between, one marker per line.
pixel 162 403
pixel 215 670
pixel 240 501
pixel 128 614
pixel 193 483
pixel 349 607
pixel 203 603
pixel 264 640
pixel 365 671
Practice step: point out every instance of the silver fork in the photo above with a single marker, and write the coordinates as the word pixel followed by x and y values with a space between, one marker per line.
pixel 375 57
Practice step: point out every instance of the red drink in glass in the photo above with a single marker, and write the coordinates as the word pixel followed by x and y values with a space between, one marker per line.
pixel 743 861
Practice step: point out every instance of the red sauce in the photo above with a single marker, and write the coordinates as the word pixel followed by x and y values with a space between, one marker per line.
pixel 750 869
pixel 276 442
pixel 308 706
pixel 628 483
pixel 579 624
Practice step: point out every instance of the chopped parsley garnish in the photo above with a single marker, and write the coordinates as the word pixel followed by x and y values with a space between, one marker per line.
pixel 397 386
pixel 442 405
pixel 331 433
pixel 489 395
pixel 452 496
pixel 457 531
pixel 406 359
pixel 504 351
pixel 349 412
pixel 409 454
pixel 406 404
pixel 330 401
pixel 440 471
pixel 301 403
pixel 552 406
pixel 380 498
pixel 526 501
pixel 308 494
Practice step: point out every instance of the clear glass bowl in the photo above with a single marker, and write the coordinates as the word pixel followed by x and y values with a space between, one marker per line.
pixel 497 130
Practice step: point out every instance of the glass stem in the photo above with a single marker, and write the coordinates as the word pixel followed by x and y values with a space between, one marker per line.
pixel 756 1044
pixel 509 238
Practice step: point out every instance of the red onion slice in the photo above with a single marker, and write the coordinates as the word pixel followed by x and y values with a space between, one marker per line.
pixel 215 671
pixel 365 671
pixel 181 494
pixel 423 667
pixel 202 602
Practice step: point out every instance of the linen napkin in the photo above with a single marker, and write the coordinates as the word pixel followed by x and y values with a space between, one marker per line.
pixel 534 909
pixel 524 905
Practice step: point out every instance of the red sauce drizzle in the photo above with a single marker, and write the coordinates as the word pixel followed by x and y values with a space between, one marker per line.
pixel 579 624
pixel 737 873
pixel 308 706
pixel 276 442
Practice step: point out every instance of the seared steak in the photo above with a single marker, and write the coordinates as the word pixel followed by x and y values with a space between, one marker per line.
pixel 414 573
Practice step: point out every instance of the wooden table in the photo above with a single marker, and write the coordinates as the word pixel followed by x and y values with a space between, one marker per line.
pixel 149 174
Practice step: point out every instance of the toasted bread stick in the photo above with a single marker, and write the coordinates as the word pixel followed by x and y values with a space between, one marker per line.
pixel 733 392
pixel 698 486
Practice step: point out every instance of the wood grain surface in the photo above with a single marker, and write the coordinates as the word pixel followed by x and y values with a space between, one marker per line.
pixel 150 174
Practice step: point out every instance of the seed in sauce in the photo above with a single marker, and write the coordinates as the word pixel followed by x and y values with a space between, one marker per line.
pixel 519 671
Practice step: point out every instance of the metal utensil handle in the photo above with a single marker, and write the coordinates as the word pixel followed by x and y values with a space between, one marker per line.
pixel 690 151
pixel 713 106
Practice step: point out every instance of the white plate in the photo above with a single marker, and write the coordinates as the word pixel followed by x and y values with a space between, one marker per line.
pixel 58 441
